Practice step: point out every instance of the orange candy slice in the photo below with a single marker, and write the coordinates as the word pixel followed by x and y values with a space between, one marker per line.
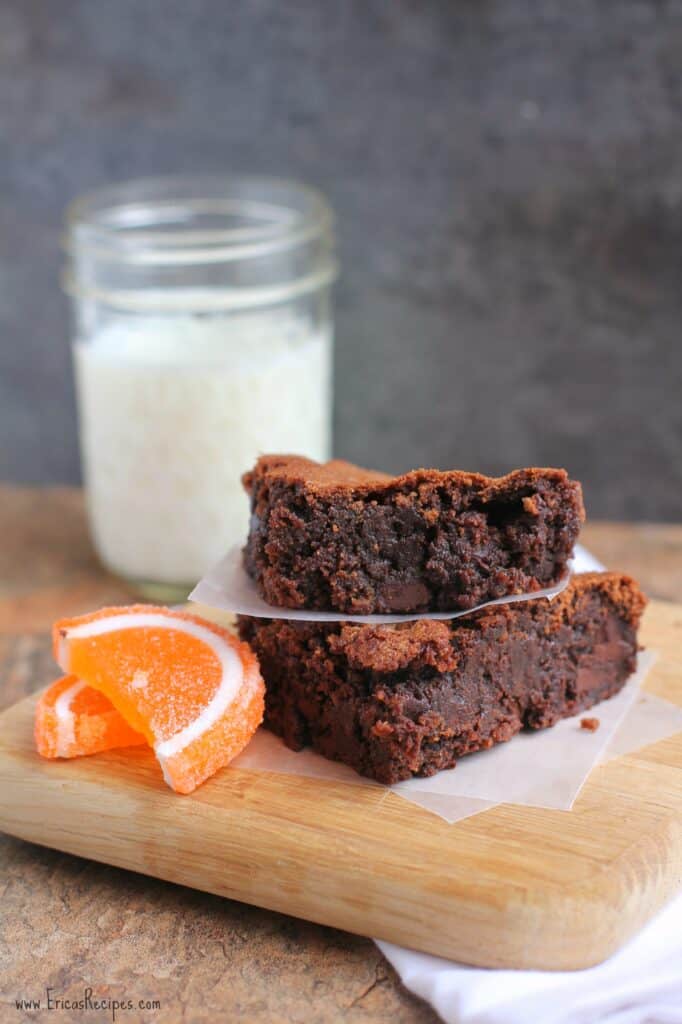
pixel 72 719
pixel 191 688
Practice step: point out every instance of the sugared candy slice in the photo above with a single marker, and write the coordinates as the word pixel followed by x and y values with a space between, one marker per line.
pixel 190 687
pixel 72 720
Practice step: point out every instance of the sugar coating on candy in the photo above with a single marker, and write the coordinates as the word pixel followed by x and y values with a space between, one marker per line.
pixel 188 685
pixel 140 681
pixel 73 720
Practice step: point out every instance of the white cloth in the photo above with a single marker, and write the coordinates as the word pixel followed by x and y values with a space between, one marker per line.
pixel 640 984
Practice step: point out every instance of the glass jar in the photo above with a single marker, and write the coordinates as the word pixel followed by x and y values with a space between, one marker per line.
pixel 203 338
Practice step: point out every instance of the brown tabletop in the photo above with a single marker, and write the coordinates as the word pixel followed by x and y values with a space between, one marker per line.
pixel 68 924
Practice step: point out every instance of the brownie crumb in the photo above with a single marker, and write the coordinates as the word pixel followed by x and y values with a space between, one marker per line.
pixel 589 724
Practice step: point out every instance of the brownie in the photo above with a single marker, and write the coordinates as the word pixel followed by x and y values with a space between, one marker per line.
pixel 393 701
pixel 332 536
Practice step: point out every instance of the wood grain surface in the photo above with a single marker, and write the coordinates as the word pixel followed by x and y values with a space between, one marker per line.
pixel 70 922
pixel 487 891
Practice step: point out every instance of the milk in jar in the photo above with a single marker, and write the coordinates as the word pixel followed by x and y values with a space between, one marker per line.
pixel 172 414
pixel 203 340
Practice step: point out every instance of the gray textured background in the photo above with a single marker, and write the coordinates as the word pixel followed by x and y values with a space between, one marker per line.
pixel 508 180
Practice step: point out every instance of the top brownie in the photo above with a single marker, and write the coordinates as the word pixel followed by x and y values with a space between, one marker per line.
pixel 335 537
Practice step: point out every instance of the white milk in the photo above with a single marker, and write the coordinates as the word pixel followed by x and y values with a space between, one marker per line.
pixel 173 410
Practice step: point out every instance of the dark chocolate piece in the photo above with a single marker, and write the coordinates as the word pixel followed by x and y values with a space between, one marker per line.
pixel 336 537
pixel 410 699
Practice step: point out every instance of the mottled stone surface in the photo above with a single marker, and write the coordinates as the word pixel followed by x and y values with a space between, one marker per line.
pixel 69 924
pixel 508 180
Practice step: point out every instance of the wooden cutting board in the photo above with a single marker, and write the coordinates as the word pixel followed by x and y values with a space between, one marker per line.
pixel 511 887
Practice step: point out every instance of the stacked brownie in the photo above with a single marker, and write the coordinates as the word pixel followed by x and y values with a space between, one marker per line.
pixel 396 700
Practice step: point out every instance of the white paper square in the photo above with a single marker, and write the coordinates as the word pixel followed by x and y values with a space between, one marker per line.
pixel 508 772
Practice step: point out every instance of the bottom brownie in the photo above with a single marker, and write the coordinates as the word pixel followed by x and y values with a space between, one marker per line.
pixel 410 699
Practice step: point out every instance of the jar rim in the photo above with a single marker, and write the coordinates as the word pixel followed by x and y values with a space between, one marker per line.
pixel 148 220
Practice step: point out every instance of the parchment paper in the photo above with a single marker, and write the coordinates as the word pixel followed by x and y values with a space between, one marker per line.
pixel 507 773
pixel 229 588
